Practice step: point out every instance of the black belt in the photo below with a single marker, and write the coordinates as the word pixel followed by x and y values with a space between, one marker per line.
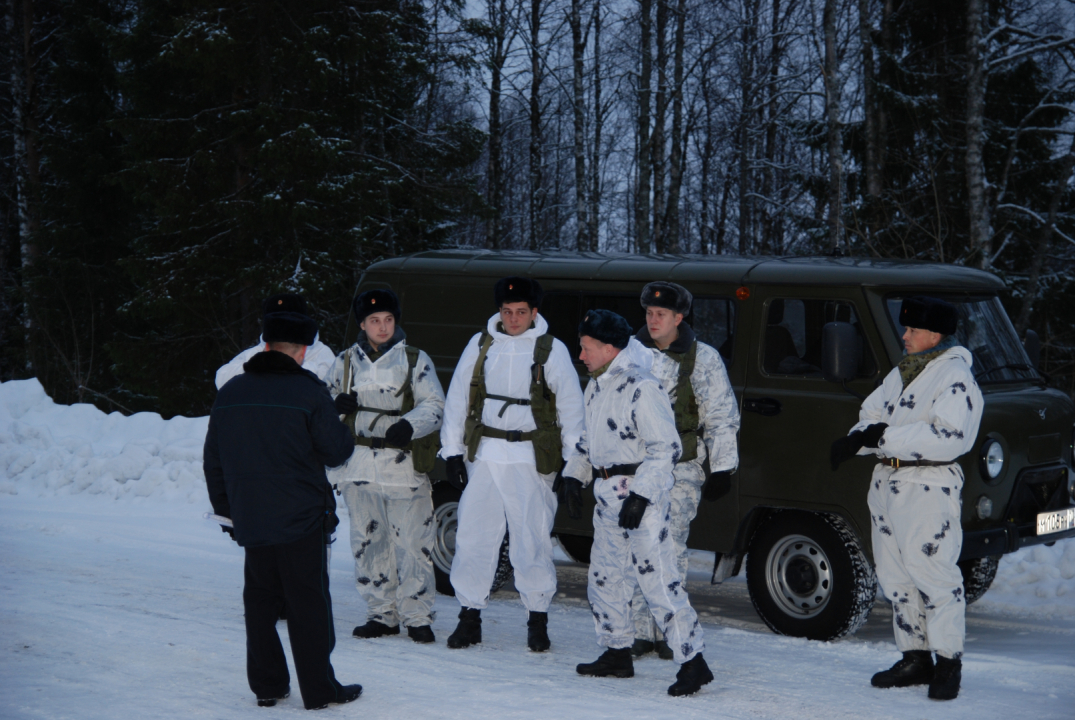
pixel 897 463
pixel 613 470
pixel 509 435
pixel 376 443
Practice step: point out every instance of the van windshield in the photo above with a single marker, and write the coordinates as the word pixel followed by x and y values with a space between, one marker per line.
pixel 985 330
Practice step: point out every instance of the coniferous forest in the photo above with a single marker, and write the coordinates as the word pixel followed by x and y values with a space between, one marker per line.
pixel 166 164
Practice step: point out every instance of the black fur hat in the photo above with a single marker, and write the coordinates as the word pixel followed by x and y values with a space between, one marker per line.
pixel 927 313
pixel 517 289
pixel 667 295
pixel 288 327
pixel 606 326
pixel 374 301
pixel 284 302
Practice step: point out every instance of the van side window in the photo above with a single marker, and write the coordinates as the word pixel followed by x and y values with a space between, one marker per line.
pixel 713 320
pixel 561 311
pixel 792 342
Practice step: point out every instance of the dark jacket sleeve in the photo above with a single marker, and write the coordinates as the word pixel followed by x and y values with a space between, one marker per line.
pixel 214 473
pixel 332 440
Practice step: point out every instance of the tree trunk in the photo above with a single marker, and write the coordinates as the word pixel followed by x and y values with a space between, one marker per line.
pixel 1045 234
pixel 578 48
pixel 537 181
pixel 980 241
pixel 769 170
pixel 869 105
pixel 747 36
pixel 642 193
pixel 657 139
pixel 598 122
pixel 707 225
pixel 675 159
pixel 832 116
pixel 495 183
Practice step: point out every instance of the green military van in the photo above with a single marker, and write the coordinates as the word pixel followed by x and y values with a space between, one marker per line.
pixel 804 339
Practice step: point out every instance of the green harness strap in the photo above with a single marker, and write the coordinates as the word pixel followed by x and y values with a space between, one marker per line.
pixel 542 404
pixel 686 405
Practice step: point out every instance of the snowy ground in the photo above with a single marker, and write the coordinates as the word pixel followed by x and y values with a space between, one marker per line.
pixel 118 600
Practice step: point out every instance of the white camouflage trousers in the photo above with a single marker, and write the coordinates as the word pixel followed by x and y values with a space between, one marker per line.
pixel 646 557
pixel 499 498
pixel 684 497
pixel 917 538
pixel 392 535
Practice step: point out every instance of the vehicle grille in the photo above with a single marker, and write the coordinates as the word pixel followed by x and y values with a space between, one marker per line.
pixel 1038 490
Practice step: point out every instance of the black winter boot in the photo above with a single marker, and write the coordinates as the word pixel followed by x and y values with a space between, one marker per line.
pixel 641 647
pixel 692 675
pixel 612 663
pixel 374 629
pixel 421 634
pixel 664 652
pixel 469 630
pixel 946 677
pixel 537 632
pixel 916 668
pixel 271 701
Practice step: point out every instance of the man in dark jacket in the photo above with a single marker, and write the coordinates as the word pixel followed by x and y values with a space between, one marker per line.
pixel 272 431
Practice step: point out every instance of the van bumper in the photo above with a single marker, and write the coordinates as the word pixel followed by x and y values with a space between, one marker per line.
pixel 1006 539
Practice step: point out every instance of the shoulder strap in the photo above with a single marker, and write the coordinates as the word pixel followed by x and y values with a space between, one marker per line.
pixel 407 389
pixel 542 348
pixel 477 378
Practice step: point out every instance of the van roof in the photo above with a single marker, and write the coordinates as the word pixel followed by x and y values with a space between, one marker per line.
pixel 739 269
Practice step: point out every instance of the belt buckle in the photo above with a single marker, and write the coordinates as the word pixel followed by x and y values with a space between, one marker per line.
pixel 896 463
pixel 513 435
pixel 604 472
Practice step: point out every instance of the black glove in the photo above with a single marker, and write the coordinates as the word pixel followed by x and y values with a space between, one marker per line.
pixel 346 403
pixel 845 448
pixel 717 486
pixel 229 531
pixel 872 434
pixel 634 507
pixel 399 434
pixel 569 492
pixel 457 471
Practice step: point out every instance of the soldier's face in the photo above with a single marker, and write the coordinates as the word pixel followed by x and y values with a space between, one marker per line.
pixel 916 340
pixel 595 353
pixel 517 317
pixel 662 324
pixel 379 327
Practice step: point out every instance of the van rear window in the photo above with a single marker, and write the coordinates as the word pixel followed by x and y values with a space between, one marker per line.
pixel 793 331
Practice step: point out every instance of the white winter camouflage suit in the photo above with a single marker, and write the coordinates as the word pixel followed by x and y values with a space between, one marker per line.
pixel 505 491
pixel 915 511
pixel 319 358
pixel 629 420
pixel 390 505
pixel 718 416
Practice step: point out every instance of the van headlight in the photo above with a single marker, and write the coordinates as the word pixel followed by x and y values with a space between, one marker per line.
pixel 984 507
pixel 992 459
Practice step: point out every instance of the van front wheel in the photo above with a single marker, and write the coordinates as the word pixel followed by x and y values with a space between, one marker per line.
pixel 446 521
pixel 808 577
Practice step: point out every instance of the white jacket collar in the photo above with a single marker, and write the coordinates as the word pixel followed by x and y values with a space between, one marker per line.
pixel 540 328
pixel 635 354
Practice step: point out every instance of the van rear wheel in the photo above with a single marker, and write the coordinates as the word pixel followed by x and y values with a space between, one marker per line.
pixel 808 577
pixel 446 521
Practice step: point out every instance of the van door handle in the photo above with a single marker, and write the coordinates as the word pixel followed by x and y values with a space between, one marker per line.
pixel 763 406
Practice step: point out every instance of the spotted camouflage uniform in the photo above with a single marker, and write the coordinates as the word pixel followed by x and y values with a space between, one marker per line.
pixel 629 420
pixel 915 511
pixel 718 415
pixel 390 505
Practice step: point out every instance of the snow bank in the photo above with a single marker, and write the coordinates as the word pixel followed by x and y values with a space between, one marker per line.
pixel 51 449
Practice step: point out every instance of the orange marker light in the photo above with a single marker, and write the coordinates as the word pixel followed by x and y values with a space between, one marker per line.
pixel 743 293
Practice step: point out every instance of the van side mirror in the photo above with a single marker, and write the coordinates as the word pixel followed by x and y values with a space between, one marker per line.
pixel 1032 345
pixel 839 352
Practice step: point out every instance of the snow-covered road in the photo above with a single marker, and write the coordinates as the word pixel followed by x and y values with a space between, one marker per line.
pixel 134 610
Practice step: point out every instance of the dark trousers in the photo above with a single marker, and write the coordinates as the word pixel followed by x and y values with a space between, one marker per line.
pixel 296 574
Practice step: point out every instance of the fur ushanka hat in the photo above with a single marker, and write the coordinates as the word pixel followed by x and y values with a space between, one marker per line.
pixel 288 327
pixel 667 295
pixel 927 313
pixel 375 301
pixel 517 289
pixel 284 302
pixel 606 326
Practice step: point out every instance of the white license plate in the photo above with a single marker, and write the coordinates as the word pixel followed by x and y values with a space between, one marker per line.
pixel 1058 521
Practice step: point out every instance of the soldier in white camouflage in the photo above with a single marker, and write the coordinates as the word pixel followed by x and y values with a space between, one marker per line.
pixel 394 406
pixel 707 420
